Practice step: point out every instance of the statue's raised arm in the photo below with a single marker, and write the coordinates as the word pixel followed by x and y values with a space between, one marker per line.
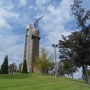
pixel 36 22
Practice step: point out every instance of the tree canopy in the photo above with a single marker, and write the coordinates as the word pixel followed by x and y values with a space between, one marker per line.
pixel 44 61
pixel 76 46
pixel 12 68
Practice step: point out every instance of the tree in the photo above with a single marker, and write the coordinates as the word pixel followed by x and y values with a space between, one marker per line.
pixel 67 62
pixel 44 61
pixel 0 71
pixel 80 14
pixel 82 17
pixel 61 70
pixel 19 67
pixel 4 66
pixel 89 72
pixel 69 67
pixel 73 48
pixel 24 69
pixel 12 68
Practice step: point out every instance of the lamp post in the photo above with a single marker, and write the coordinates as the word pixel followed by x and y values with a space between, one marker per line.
pixel 56 74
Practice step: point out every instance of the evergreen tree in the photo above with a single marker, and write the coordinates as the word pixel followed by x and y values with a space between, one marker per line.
pixel 4 66
pixel 67 62
pixel 74 49
pixel 83 16
pixel 61 70
pixel 24 69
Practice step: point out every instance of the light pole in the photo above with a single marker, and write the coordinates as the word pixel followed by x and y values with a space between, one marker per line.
pixel 56 74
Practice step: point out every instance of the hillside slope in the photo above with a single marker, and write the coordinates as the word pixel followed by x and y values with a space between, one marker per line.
pixel 39 82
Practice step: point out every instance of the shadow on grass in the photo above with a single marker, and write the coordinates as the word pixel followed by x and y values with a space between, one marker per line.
pixel 76 80
pixel 14 76
pixel 79 81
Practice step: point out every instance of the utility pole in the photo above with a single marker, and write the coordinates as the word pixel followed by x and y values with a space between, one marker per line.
pixel 56 73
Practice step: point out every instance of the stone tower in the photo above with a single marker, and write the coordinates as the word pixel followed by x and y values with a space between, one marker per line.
pixel 31 47
pixel 28 46
pixel 35 47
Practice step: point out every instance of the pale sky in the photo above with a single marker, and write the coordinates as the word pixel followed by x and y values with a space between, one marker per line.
pixel 16 14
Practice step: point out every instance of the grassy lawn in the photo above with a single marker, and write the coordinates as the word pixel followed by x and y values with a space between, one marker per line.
pixel 39 82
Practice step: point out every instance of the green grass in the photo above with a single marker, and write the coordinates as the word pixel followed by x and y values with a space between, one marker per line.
pixel 39 82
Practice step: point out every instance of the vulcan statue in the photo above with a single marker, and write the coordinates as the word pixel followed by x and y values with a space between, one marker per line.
pixel 36 22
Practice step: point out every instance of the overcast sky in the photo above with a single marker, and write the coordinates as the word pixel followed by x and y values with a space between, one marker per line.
pixel 16 14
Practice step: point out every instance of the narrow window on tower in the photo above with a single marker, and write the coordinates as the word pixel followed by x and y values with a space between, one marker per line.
pixel 26 39
pixel 26 47
pixel 27 32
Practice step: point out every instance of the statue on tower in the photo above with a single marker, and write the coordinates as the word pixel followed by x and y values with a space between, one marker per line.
pixel 36 22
